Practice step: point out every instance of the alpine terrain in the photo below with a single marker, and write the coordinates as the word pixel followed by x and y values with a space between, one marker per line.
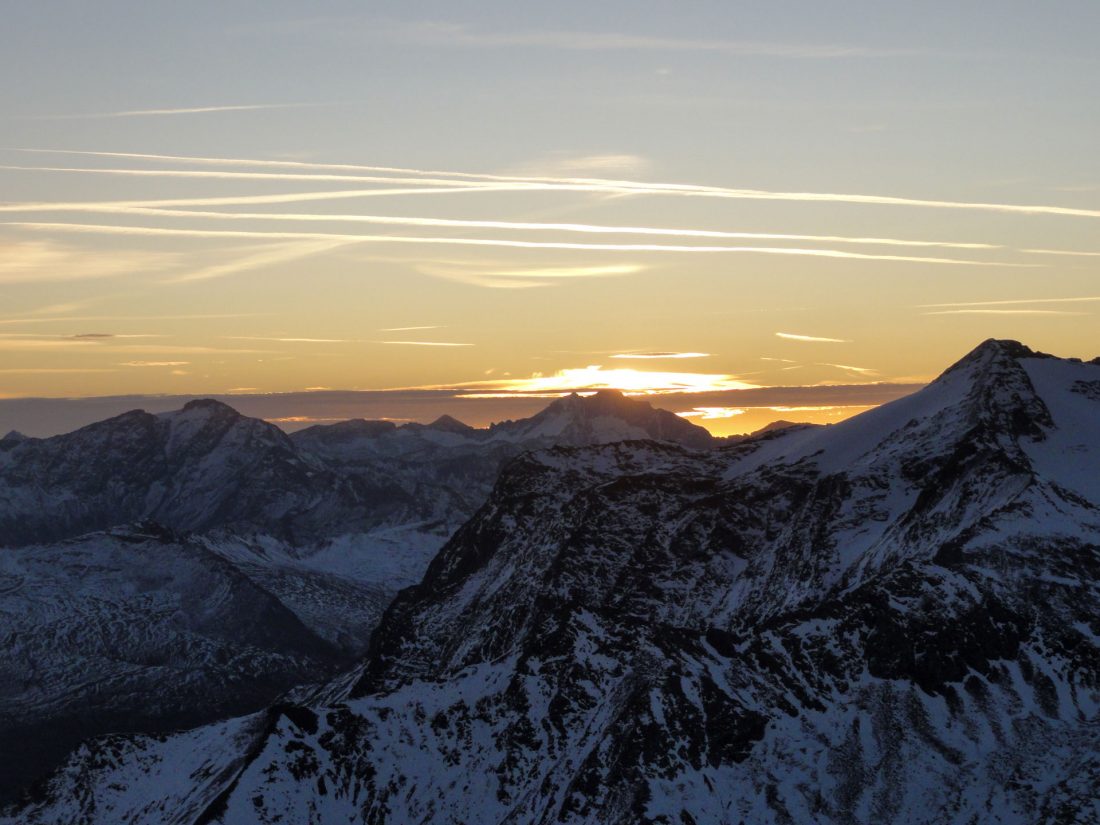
pixel 892 619
pixel 162 571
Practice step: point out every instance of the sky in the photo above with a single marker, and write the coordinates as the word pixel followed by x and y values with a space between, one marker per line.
pixel 407 209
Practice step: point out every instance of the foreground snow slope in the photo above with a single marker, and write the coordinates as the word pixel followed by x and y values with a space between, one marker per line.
pixel 890 620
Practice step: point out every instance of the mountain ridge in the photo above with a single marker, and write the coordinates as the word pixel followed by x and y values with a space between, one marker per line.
pixel 888 619
pixel 328 523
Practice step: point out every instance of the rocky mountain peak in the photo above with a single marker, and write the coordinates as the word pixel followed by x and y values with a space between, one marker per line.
pixel 207 427
pixel 993 353
pixel 999 393
pixel 602 402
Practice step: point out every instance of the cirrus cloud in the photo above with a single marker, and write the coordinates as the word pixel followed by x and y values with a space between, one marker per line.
pixel 37 261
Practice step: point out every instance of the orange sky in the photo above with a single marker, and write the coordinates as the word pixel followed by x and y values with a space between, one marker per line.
pixel 542 200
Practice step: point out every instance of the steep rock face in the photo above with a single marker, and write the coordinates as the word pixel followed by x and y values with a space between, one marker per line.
pixel 136 629
pixel 892 619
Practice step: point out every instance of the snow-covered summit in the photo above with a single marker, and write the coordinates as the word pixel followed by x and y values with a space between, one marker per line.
pixel 604 417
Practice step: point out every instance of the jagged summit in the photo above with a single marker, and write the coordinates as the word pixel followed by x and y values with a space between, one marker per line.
pixel 997 380
pixel 993 351
pixel 15 436
pixel 605 398
pixel 1009 347
pixel 601 402
pixel 989 400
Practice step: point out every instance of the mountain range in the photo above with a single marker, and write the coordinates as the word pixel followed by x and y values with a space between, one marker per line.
pixel 890 619
pixel 147 548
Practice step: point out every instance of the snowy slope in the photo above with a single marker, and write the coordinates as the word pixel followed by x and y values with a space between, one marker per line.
pixel 136 629
pixel 890 620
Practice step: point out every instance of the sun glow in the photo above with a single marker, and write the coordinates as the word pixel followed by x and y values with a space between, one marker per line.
pixel 711 413
pixel 595 377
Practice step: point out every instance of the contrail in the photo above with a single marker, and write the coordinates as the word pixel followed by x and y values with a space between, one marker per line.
pixel 492 242
pixel 560 271
pixel 424 343
pixel 192 110
pixel 529 226
pixel 1062 252
pixel 64 319
pixel 1087 298
pixel 291 340
pixel 659 355
pixel 623 186
pixel 232 200
pixel 1002 312
pixel 860 370
pixel 311 176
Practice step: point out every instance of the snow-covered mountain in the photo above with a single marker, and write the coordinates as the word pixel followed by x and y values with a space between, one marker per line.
pixel 449 468
pixel 321 529
pixel 207 466
pixel 603 418
pixel 893 619
pixel 136 629
pixel 200 467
